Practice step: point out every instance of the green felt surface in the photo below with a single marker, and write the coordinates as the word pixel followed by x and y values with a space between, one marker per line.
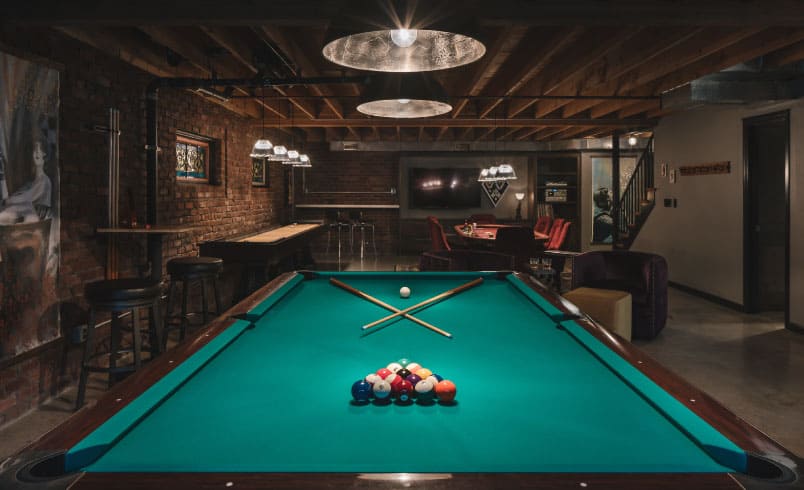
pixel 531 396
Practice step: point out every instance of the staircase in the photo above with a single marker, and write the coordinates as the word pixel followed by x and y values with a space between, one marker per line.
pixel 635 205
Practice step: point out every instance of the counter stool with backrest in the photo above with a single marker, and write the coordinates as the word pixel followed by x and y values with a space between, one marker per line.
pixel 117 296
pixel 359 222
pixel 336 221
pixel 187 270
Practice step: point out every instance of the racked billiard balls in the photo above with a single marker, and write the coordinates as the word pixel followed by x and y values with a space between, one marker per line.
pixel 446 391
pixel 361 391
pixel 404 392
pixel 381 389
pixel 403 373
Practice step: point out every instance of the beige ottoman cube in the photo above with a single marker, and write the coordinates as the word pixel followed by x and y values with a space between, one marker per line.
pixel 609 307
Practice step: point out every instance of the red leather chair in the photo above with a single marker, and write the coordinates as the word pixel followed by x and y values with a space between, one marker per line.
pixel 557 241
pixel 543 225
pixel 483 219
pixel 438 240
pixel 554 229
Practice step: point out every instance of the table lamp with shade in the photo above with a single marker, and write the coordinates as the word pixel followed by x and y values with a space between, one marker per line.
pixel 519 197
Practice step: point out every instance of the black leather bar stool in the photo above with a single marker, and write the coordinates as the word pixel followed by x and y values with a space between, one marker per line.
pixel 117 296
pixel 186 270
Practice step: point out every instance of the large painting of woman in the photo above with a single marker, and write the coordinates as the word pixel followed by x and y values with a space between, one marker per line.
pixel 29 205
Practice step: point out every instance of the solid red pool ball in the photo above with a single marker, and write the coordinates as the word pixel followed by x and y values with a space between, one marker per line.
pixel 396 382
pixel 446 391
pixel 404 392
pixel 383 372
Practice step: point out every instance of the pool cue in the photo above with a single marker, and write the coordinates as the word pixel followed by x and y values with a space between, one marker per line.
pixel 439 297
pixel 376 301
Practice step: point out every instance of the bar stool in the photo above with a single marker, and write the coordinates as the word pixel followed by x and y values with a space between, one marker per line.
pixel 336 221
pixel 186 270
pixel 358 221
pixel 116 296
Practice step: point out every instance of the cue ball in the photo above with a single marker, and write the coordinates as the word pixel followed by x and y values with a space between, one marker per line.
pixel 404 292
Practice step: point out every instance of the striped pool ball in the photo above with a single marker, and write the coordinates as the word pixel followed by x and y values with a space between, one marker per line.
pixel 394 367
pixel 381 389
pixel 413 367
pixel 425 390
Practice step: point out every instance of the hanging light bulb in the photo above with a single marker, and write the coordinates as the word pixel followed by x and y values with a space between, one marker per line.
pixel 262 148
pixel 404 38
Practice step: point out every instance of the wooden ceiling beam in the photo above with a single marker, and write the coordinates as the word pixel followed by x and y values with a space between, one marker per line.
pixel 573 64
pixel 464 123
pixel 549 132
pixel 183 41
pixel 277 36
pixel 709 43
pixel 526 133
pixel 126 45
pixel 527 62
pixel 785 56
pixel 643 49
pixel 498 51
pixel 441 132
pixel 748 48
pixel 639 107
pixel 235 41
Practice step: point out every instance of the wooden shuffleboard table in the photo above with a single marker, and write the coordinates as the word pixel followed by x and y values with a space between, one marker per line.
pixel 259 252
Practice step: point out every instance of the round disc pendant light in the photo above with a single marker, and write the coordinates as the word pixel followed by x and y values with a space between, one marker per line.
pixel 402 37
pixel 404 96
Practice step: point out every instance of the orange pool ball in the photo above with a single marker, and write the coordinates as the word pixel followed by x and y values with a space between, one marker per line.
pixel 445 391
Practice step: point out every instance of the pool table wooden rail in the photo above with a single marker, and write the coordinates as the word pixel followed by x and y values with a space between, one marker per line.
pixel 92 416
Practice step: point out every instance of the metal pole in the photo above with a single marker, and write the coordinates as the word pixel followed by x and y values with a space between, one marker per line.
pixel 615 184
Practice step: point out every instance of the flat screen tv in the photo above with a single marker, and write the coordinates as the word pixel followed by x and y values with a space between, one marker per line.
pixel 455 188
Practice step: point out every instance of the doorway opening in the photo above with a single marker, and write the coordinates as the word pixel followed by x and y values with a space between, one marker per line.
pixel 766 216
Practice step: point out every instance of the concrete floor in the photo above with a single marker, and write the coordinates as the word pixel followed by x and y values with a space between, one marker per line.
pixel 749 363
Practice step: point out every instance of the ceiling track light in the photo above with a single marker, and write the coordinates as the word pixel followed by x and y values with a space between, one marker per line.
pixel 398 39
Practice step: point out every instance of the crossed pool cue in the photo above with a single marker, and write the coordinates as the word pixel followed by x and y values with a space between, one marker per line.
pixel 405 313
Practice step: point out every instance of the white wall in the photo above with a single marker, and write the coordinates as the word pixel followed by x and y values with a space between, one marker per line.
pixel 702 239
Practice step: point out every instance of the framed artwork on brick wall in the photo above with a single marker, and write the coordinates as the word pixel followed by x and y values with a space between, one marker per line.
pixel 192 159
pixel 259 172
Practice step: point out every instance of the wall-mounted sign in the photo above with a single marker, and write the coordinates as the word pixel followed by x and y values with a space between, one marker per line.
pixel 495 190
pixel 705 169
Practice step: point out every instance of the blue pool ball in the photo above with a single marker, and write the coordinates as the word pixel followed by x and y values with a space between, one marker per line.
pixel 361 391
pixel 438 377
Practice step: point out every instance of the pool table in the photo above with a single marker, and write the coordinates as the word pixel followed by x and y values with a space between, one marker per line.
pixel 262 398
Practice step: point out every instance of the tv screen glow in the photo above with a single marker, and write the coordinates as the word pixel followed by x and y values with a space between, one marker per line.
pixel 431 188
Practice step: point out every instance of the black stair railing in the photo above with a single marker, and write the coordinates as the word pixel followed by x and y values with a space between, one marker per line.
pixel 636 193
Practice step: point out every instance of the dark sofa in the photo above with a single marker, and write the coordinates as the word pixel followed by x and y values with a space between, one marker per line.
pixel 643 275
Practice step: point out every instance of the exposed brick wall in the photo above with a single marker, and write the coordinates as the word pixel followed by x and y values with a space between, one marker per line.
pixel 373 174
pixel 92 82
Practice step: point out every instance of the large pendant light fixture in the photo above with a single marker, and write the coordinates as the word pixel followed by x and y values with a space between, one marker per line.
pixel 391 36
pixel 403 96
pixel 262 148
